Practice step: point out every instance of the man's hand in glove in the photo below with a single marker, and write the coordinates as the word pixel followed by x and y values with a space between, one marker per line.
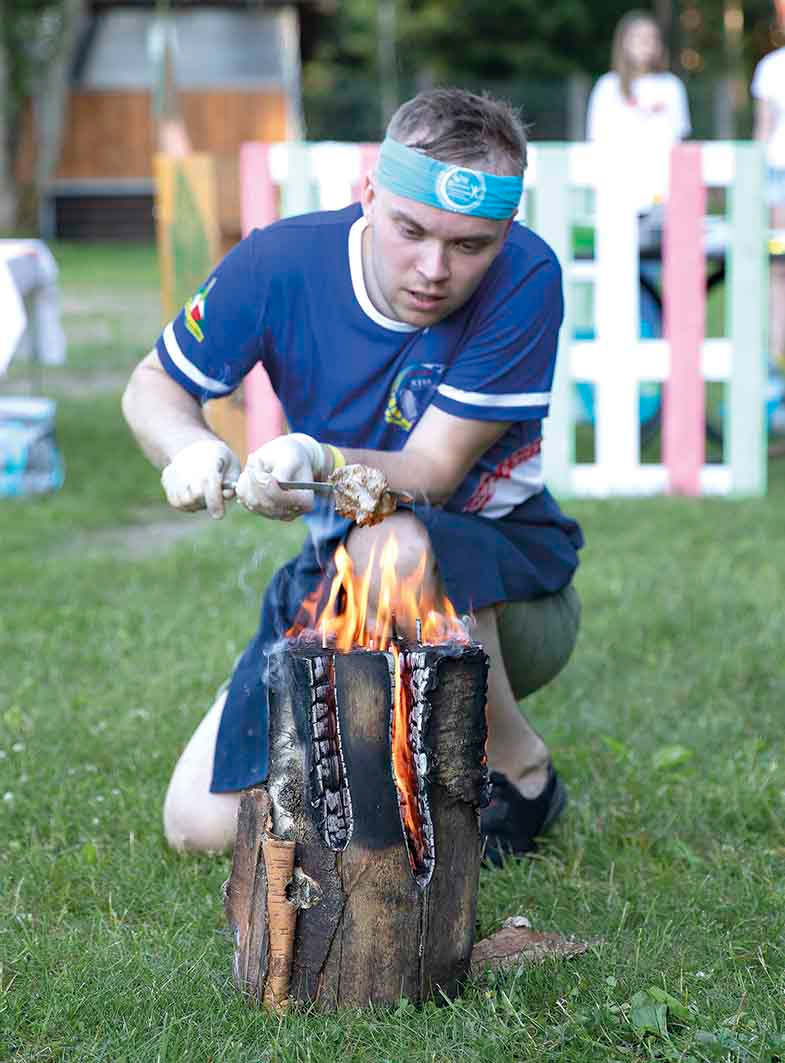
pixel 291 457
pixel 193 479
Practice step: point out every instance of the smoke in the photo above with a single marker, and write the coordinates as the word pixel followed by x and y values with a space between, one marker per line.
pixel 275 669
pixel 252 565
pixel 451 648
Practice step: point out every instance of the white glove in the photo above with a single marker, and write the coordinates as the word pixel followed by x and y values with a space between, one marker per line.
pixel 194 478
pixel 291 457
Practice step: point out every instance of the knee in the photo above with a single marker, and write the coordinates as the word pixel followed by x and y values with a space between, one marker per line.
pixel 205 825
pixel 195 819
pixel 412 549
pixel 537 639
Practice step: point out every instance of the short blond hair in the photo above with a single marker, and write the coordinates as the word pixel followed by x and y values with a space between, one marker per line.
pixel 454 125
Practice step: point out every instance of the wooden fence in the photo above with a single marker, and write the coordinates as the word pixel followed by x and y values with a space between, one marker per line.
pixel 198 220
pixel 616 360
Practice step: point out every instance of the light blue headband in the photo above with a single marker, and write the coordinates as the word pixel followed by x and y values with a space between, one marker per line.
pixel 412 174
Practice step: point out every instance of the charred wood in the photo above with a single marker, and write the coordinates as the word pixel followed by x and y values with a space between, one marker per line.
pixel 363 919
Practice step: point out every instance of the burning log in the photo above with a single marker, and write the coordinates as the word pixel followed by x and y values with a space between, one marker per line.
pixel 376 774
pixel 356 868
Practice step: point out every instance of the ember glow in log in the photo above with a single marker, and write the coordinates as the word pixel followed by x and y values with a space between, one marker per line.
pixel 377 770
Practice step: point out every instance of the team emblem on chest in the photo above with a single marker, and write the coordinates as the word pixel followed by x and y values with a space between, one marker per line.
pixel 411 392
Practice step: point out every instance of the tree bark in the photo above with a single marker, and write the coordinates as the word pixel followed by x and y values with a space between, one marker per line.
pixel 372 924
pixel 7 181
pixel 51 100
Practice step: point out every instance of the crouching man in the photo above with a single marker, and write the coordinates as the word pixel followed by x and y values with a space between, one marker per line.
pixel 415 332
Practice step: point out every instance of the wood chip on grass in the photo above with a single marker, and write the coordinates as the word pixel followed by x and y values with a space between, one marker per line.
pixel 515 944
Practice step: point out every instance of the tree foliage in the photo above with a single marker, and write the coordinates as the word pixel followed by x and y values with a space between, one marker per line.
pixel 510 38
pixel 466 42
pixel 512 46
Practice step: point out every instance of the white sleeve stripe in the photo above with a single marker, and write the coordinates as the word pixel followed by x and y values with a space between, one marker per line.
pixel 482 398
pixel 187 368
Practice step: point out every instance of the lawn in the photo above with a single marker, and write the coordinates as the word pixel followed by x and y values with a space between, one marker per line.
pixel 667 726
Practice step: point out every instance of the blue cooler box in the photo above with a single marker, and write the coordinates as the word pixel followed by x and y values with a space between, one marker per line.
pixel 30 462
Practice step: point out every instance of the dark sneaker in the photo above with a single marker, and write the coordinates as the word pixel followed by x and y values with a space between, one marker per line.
pixel 511 822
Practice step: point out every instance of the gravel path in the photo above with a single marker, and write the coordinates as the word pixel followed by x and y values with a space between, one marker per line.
pixel 154 535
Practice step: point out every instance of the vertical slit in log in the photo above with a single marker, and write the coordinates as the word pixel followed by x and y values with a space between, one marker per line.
pixel 330 796
pixel 408 721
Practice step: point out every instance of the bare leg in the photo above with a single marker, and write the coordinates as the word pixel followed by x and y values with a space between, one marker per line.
pixel 195 819
pixel 514 748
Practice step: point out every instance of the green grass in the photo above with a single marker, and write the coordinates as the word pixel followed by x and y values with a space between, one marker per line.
pixel 118 267
pixel 667 726
pixel 111 310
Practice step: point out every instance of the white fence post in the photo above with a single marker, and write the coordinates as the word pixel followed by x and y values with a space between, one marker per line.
pixel 553 224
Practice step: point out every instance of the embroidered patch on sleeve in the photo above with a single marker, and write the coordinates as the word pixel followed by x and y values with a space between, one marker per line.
pixel 195 311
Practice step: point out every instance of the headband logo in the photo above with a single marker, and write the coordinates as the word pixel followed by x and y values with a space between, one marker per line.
pixel 460 190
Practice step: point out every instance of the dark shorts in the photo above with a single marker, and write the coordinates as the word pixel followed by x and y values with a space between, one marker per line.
pixel 528 556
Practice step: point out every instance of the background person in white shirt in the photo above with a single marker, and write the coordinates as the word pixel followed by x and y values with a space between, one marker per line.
pixel 640 106
pixel 768 90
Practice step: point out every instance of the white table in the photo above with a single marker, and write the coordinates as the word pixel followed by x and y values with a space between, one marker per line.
pixel 29 303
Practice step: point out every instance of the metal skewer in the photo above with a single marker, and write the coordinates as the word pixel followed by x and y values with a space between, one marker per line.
pixel 320 487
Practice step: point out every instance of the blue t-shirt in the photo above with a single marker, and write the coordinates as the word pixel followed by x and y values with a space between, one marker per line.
pixel 292 296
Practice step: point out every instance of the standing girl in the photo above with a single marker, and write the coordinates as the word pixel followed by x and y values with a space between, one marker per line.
pixel 640 106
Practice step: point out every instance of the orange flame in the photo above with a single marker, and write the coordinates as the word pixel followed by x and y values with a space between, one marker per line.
pixel 346 622
pixel 404 768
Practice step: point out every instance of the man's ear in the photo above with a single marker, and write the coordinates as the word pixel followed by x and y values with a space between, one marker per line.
pixel 368 195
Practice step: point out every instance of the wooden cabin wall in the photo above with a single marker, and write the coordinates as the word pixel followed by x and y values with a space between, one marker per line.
pixel 110 135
